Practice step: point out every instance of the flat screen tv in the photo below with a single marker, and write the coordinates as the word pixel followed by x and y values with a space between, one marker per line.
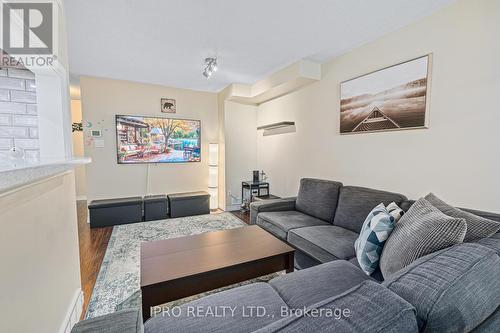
pixel 157 140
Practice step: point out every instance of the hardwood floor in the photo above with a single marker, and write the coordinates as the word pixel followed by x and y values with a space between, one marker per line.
pixel 93 244
pixel 242 216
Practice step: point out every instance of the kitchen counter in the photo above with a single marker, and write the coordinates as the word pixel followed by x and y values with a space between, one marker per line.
pixel 16 173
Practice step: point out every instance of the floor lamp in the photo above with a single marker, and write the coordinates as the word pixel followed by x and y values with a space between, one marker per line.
pixel 213 175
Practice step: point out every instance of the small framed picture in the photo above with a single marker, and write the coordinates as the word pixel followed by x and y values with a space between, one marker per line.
pixel 168 105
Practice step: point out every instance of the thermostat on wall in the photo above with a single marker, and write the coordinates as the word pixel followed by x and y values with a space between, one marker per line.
pixel 95 133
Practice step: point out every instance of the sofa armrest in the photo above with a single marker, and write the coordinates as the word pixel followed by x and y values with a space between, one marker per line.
pixel 270 206
pixel 125 321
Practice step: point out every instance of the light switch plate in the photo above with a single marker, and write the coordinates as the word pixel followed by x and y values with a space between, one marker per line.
pixel 99 143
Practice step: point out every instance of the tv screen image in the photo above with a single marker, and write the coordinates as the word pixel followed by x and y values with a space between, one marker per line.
pixel 157 140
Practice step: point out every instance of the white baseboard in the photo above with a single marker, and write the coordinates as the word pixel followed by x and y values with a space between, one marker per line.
pixel 230 208
pixel 73 313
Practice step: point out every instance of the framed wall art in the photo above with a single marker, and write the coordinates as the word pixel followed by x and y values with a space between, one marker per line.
pixel 168 105
pixel 392 98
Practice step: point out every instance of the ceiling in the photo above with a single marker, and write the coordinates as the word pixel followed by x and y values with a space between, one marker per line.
pixel 165 41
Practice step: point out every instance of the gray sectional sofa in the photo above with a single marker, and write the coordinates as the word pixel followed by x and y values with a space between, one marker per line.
pixel 456 289
pixel 323 221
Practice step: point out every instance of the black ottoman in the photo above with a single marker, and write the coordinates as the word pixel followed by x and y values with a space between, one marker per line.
pixel 108 212
pixel 155 207
pixel 188 204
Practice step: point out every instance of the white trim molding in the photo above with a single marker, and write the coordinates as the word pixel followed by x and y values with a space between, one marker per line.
pixel 73 313
pixel 231 208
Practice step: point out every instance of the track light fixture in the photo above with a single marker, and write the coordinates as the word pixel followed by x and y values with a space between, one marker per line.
pixel 210 67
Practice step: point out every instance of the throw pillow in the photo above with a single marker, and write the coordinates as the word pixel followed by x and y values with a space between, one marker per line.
pixel 395 211
pixel 423 229
pixel 375 230
pixel 477 227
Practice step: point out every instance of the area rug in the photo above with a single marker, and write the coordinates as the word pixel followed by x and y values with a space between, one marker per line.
pixel 117 286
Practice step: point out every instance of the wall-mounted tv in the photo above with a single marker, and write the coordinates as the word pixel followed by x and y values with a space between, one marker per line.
pixel 157 140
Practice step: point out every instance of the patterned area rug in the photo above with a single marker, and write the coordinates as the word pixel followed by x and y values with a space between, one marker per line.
pixel 117 286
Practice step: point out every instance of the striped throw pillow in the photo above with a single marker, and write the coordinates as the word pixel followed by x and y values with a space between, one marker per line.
pixel 422 230
pixel 477 227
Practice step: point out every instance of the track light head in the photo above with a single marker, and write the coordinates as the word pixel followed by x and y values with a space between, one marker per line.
pixel 210 67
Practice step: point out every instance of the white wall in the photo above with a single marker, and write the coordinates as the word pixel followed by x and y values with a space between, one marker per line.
pixel 102 99
pixel 457 157
pixel 240 149
pixel 40 271
pixel 78 150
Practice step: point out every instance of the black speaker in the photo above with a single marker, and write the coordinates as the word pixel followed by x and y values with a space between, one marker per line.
pixel 256 176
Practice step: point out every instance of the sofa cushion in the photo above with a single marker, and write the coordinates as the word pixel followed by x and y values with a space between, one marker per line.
pixel 240 299
pixel 405 205
pixel 303 261
pixel 453 290
pixel 309 286
pixel 368 307
pixel 492 242
pixel 355 203
pixel 377 275
pixel 375 231
pixel 422 230
pixel 477 226
pixel 486 215
pixel 272 205
pixel 318 198
pixel 490 325
pixel 125 321
pixel 279 223
pixel 324 243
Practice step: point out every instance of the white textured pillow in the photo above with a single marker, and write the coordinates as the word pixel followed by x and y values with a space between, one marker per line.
pixel 395 211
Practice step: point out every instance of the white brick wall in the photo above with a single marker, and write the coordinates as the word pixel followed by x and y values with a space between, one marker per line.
pixel 27 143
pixel 31 108
pixel 12 83
pixel 5 143
pixel 4 95
pixel 10 107
pixel 5 119
pixel 24 120
pixel 13 132
pixel 18 113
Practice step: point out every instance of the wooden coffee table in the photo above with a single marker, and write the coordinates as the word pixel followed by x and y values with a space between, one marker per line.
pixel 175 268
